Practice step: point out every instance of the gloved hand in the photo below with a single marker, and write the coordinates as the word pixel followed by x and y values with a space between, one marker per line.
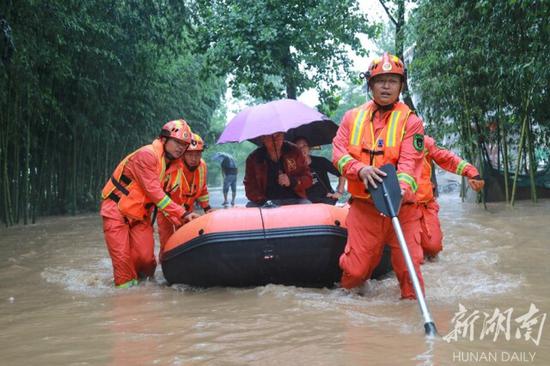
pixel 175 221
pixel 189 216
pixel 407 196
pixel 476 183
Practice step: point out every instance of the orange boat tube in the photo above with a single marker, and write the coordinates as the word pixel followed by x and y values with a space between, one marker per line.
pixel 295 245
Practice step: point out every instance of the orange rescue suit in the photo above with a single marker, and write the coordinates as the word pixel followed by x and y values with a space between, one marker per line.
pixel 128 197
pixel 369 135
pixel 432 237
pixel 185 187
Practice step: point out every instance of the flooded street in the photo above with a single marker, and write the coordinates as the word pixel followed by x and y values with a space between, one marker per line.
pixel 58 305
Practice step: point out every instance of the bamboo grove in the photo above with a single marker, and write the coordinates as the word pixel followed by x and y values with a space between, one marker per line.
pixel 88 82
pixel 480 70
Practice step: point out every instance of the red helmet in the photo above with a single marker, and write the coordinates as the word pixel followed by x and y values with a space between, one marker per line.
pixel 197 144
pixel 177 129
pixel 387 64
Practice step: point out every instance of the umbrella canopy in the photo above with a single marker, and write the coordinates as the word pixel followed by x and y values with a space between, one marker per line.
pixel 220 155
pixel 277 116
pixel 317 133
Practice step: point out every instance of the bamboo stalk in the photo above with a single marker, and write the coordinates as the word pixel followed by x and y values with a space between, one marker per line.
pixel 15 173
pixel 26 177
pixel 532 162
pixel 5 162
pixel 520 152
pixel 463 148
pixel 3 176
pixel 73 177
pixel 481 194
pixel 506 164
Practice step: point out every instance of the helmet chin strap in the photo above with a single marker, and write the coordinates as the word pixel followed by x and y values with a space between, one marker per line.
pixel 386 107
pixel 169 156
pixel 191 168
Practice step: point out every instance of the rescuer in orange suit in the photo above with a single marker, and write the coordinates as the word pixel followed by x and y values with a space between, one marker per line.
pixel 186 186
pixel 431 236
pixel 128 199
pixel 382 131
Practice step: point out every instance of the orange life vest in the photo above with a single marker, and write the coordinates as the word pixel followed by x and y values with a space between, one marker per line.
pixel 130 197
pixel 183 192
pixel 375 150
pixel 425 193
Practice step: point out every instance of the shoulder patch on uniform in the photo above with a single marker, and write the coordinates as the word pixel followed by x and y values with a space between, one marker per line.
pixel 418 142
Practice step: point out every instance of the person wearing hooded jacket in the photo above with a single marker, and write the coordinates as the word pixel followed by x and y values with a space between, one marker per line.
pixel 129 198
pixel 382 131
pixel 186 186
pixel 277 172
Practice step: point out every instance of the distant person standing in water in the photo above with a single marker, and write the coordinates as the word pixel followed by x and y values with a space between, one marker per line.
pixel 229 172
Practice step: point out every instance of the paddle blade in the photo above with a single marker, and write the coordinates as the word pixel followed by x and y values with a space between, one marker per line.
pixel 393 190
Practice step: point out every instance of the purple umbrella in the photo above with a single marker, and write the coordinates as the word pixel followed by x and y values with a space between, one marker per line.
pixel 278 116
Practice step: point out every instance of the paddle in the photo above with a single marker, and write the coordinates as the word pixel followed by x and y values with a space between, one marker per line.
pixel 387 199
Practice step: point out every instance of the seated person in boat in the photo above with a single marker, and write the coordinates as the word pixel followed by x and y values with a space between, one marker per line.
pixel 186 186
pixel 321 191
pixel 277 172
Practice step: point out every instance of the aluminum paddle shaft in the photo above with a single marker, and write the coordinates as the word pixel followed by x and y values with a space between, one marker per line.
pixel 387 199
pixel 429 325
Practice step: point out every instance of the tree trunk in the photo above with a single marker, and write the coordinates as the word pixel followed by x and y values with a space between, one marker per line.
pixel 400 48
pixel 289 74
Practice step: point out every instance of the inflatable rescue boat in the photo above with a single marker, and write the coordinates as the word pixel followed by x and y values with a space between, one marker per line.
pixel 240 247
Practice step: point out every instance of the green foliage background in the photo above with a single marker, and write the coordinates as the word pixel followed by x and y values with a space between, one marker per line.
pixel 482 62
pixel 88 83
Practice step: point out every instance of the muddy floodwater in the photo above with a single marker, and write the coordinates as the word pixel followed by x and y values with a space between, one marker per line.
pixel 489 293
